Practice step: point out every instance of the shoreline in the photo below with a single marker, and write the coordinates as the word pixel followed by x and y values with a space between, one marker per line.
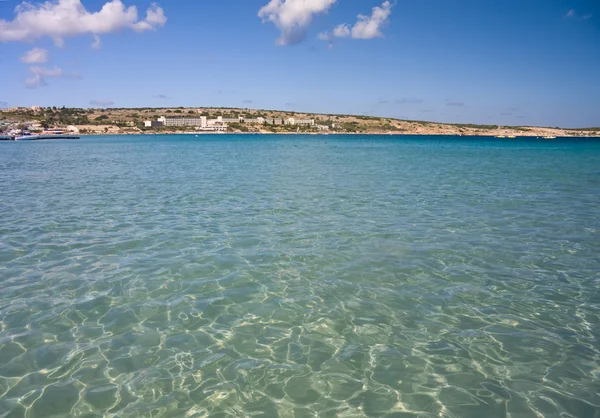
pixel 439 134
pixel 125 121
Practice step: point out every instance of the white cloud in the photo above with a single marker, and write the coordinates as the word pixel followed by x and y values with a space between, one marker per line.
pixel 58 19
pixel 571 13
pixel 47 72
pixel 35 56
pixel 35 81
pixel 40 74
pixel 369 27
pixel 293 17
pixel 341 31
pixel 324 36
pixel 588 16
pixel 155 17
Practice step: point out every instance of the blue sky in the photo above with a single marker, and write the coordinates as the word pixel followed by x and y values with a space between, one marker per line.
pixel 518 62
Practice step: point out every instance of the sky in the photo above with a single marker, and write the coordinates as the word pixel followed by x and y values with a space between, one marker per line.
pixel 507 62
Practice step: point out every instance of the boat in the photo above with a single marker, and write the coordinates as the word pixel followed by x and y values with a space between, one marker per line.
pixel 549 137
pixel 500 136
pixel 49 134
pixel 511 136
pixel 45 136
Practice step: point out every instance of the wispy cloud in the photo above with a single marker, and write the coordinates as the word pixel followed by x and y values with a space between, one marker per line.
pixel 293 17
pixel 247 102
pixel 35 56
pixel 160 96
pixel 572 14
pixel 455 104
pixel 58 19
pixel 97 44
pixel 3 103
pixel 35 81
pixel 342 31
pixel 324 36
pixel 367 27
pixel 102 103
pixel 408 100
pixel 47 72
pixel 40 74
pixel 401 101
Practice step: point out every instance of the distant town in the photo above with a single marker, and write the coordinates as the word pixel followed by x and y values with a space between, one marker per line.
pixel 221 124
pixel 93 121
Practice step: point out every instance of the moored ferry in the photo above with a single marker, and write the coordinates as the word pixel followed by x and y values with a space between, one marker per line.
pixel 49 134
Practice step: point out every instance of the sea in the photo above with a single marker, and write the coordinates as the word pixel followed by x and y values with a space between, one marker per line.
pixel 300 276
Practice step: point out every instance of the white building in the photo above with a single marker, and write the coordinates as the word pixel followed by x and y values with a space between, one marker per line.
pixel 216 123
pixel 231 120
pixel 294 121
pixel 199 122
pixel 256 120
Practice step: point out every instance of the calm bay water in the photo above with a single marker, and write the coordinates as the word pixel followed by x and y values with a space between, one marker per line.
pixel 300 276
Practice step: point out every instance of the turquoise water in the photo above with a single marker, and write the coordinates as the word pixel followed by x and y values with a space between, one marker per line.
pixel 300 276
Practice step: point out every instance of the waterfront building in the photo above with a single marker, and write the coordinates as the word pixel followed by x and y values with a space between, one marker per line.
pixel 168 122
pixel 305 122
pixel 232 120
pixel 253 120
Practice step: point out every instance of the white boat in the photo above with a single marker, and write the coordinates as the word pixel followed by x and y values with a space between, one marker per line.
pixel 45 136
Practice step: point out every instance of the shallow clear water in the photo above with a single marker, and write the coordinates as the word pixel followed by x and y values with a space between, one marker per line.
pixel 300 276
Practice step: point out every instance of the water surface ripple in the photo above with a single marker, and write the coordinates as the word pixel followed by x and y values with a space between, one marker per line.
pixel 300 276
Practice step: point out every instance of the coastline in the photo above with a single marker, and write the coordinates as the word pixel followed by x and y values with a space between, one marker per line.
pixel 438 134
pixel 238 121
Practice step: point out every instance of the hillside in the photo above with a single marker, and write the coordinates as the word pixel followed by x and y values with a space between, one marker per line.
pixel 121 120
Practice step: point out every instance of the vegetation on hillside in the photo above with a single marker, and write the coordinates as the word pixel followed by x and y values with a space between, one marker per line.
pixel 132 120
